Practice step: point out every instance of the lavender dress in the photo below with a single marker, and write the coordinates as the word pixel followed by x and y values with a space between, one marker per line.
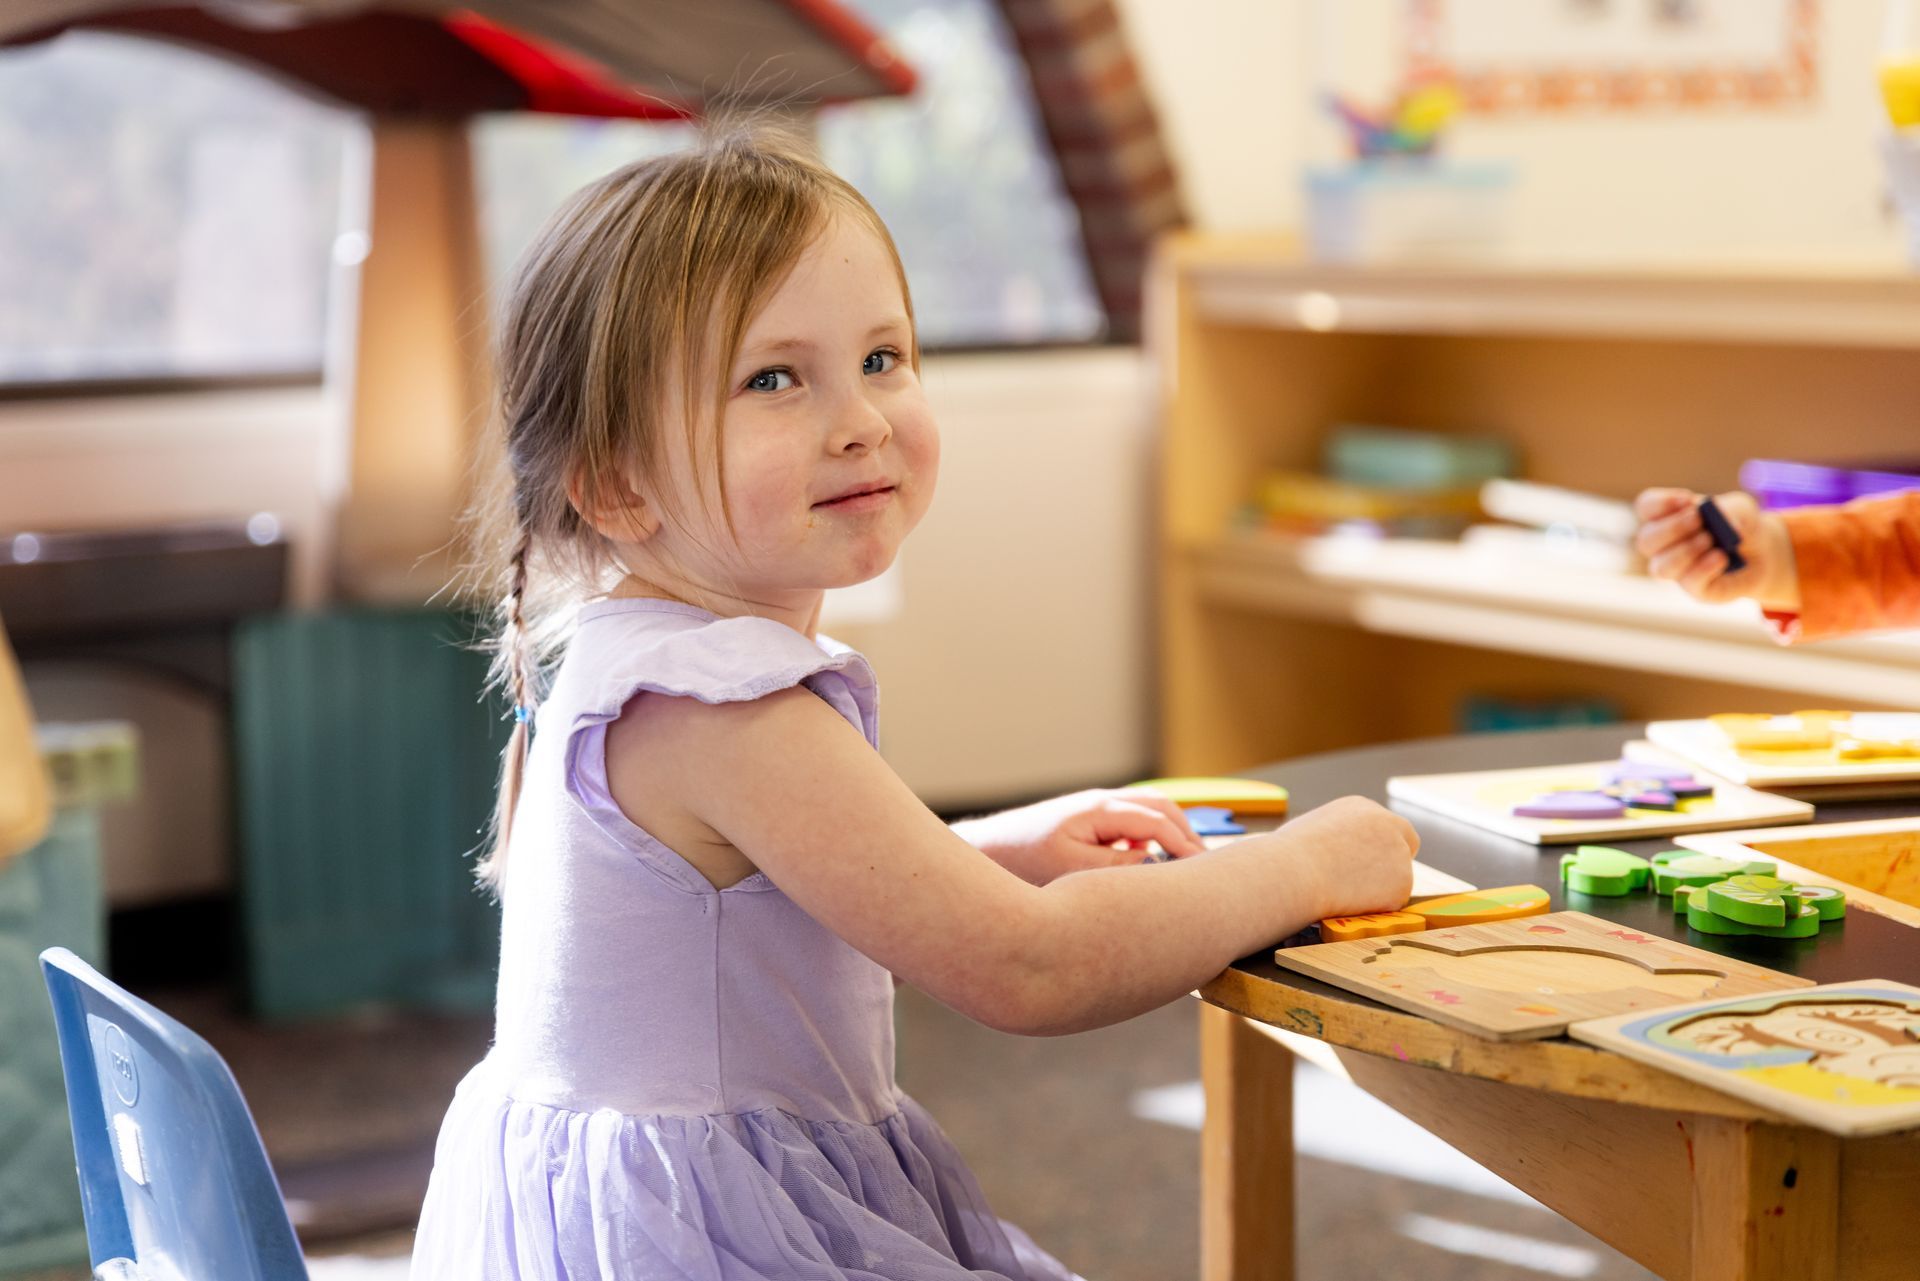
pixel 687 1082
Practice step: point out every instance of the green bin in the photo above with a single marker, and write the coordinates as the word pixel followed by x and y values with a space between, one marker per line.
pixel 50 894
pixel 365 762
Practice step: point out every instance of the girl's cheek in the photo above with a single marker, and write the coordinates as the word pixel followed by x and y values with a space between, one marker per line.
pixel 763 489
pixel 924 446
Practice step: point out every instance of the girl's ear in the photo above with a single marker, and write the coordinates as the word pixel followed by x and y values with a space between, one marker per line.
pixel 614 507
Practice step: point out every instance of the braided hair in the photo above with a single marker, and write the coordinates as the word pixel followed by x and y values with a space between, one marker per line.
pixel 513 657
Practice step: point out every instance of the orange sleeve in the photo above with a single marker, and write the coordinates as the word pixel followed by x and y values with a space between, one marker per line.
pixel 1859 567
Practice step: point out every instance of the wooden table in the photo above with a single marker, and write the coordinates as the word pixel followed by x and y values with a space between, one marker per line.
pixel 1695 1185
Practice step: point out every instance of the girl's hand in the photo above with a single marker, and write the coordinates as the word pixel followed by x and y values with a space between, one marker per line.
pixel 1678 547
pixel 1357 855
pixel 1071 833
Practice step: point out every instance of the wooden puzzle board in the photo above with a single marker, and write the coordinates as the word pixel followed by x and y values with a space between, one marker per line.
pixel 1703 744
pixel 1486 799
pixel 1843 1056
pixel 1876 862
pixel 1531 977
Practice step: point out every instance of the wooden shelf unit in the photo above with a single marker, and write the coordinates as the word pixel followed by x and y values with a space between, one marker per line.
pixel 1606 382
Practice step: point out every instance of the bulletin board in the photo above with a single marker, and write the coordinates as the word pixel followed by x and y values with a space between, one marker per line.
pixel 1516 57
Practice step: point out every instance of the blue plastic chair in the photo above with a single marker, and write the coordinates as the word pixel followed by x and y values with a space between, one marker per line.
pixel 174 1181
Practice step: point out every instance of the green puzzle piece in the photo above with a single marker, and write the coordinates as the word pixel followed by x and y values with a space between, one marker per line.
pixel 1598 869
pixel 1684 867
pixel 1830 903
pixel 1752 900
pixel 1805 924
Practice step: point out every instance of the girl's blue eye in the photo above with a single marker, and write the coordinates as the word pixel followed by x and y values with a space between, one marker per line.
pixel 881 361
pixel 771 380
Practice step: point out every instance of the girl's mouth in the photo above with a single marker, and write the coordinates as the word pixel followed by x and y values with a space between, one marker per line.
pixel 859 500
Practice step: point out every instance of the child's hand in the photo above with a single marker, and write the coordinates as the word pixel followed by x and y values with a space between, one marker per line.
pixel 1360 853
pixel 1081 830
pixel 1678 547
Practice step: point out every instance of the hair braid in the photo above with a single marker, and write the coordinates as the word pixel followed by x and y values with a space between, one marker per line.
pixel 513 663
pixel 517 650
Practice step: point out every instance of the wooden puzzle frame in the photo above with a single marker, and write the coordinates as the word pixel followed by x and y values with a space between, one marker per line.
pixel 1519 997
pixel 1459 796
pixel 1882 853
pixel 1701 743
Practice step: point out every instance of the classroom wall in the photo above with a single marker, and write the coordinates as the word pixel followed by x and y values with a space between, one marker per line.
pixel 1012 652
pixel 1018 663
pixel 116 461
pixel 1789 185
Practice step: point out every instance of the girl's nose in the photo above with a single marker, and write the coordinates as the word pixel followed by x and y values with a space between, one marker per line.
pixel 860 429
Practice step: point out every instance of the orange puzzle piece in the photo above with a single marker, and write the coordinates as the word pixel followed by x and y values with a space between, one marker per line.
pixel 1339 929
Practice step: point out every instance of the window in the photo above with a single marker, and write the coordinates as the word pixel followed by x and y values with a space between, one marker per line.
pixel 967 183
pixel 527 164
pixel 169 214
pixel 163 214
pixel 960 172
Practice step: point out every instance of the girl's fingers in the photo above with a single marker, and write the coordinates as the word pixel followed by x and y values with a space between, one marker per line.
pixel 1681 558
pixel 1140 823
pixel 1165 805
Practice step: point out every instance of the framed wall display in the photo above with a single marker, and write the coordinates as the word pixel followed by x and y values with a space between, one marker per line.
pixel 1555 56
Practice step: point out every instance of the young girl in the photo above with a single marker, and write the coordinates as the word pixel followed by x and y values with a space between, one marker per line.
pixel 709 877
pixel 1817 571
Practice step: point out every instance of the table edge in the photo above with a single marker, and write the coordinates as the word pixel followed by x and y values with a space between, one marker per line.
pixel 1555 1064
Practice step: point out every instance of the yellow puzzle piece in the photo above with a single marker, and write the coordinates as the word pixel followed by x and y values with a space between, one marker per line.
pixel 1477 907
pixel 1871 749
pixel 1241 795
pixel 1758 732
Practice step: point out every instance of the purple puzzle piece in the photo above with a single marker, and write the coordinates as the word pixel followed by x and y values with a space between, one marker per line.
pixel 1571 805
pixel 1653 801
pixel 1628 771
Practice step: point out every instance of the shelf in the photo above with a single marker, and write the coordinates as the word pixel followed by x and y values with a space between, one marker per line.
pixel 1446 592
pixel 1830 306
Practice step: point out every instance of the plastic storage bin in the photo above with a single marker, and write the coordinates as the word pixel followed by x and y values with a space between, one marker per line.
pixel 1407 209
pixel 1779 485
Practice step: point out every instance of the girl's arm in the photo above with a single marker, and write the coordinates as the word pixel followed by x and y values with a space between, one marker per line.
pixel 790 784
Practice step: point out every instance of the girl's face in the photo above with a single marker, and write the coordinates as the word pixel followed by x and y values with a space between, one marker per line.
pixel 830 451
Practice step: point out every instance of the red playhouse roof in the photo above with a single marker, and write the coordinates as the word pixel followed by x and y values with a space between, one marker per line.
pixel 644 59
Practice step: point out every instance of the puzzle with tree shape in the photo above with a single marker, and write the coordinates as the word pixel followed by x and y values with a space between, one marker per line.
pixel 1844 1056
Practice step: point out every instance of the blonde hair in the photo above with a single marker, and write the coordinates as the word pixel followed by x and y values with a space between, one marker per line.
pixel 646 276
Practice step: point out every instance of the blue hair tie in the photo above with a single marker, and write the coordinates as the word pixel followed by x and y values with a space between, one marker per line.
pixel 522 712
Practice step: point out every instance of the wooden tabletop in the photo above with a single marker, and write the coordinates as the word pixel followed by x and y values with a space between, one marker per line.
pixel 1865 946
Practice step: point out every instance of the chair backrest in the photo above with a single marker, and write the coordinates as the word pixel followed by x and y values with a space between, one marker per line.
pixel 172 1172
